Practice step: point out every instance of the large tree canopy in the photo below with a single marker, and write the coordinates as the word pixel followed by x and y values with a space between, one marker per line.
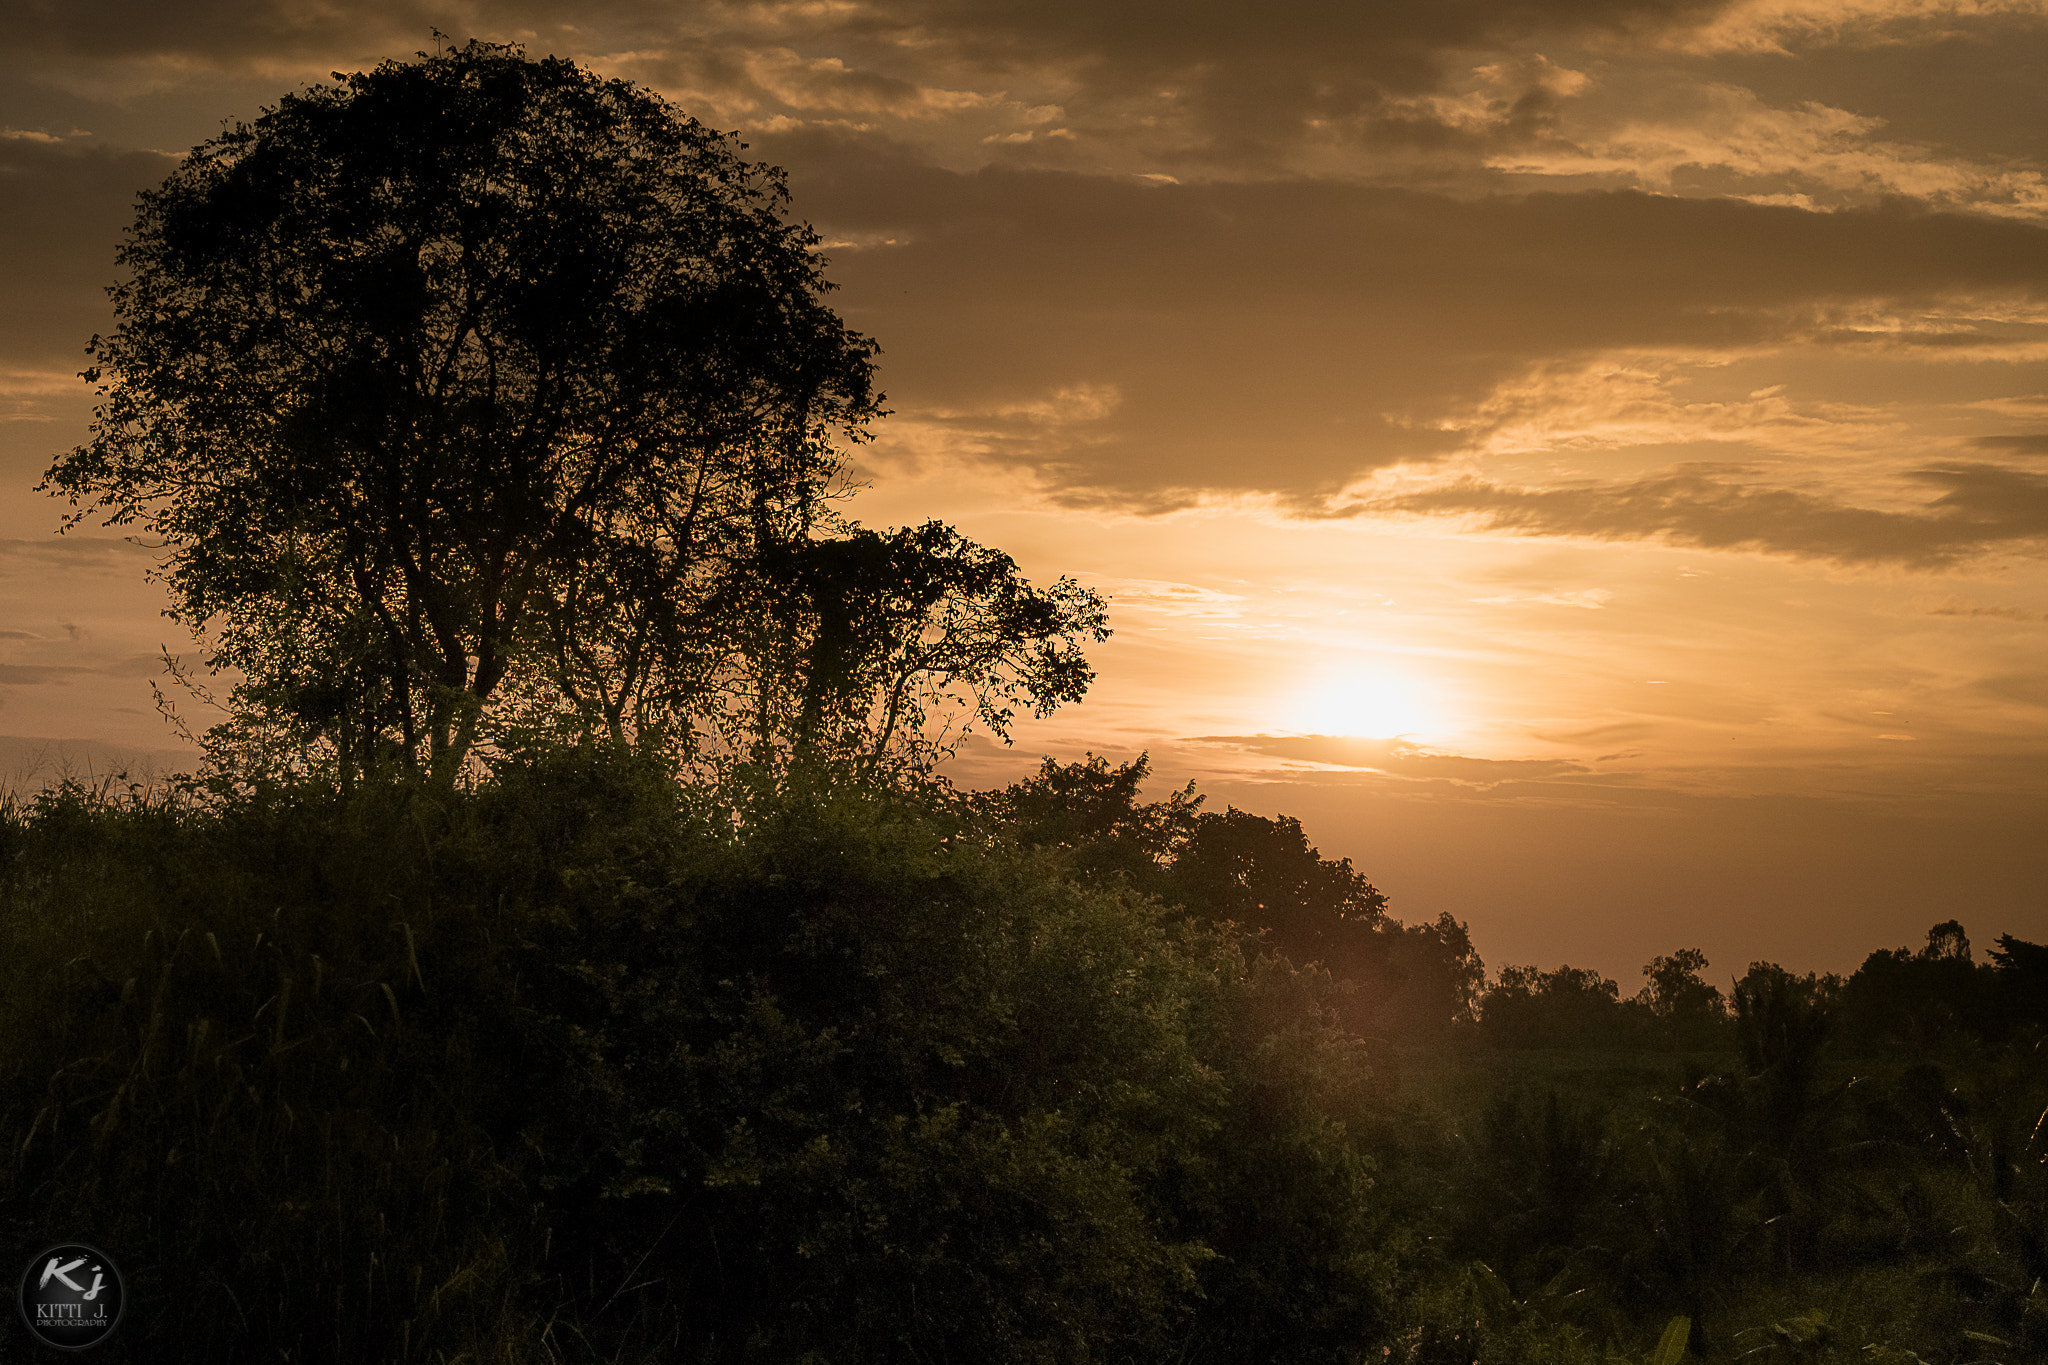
pixel 479 378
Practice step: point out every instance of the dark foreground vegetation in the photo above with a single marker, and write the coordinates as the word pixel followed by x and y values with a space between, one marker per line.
pixel 580 1063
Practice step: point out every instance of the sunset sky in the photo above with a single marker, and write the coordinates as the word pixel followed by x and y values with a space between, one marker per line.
pixel 1588 459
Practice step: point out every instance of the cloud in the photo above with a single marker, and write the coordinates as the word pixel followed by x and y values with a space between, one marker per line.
pixel 1135 343
pixel 1398 758
pixel 1636 401
pixel 221 31
pixel 1173 599
pixel 38 672
pixel 1780 26
pixel 1283 339
pixel 1588 599
pixel 30 674
pixel 1210 81
pixel 1216 80
pixel 1984 507
pixel 1119 43
pixel 1990 495
pixel 73 555
pixel 1955 606
pixel 2033 443
pixel 25 395
pixel 1716 137
pixel 63 206
pixel 1204 86
pixel 2028 689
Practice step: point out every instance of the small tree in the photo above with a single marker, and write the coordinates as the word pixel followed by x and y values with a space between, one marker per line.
pixel 462 374
pixel 1683 1009
pixel 879 652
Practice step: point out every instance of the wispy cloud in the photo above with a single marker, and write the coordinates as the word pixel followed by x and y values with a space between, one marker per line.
pixel 1398 758
pixel 1587 599
pixel 1287 338
pixel 1983 507
pixel 1707 134
pixel 1955 606
pixel 1779 26
pixel 2032 443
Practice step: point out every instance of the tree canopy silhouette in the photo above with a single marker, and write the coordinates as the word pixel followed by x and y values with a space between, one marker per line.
pixel 463 378
pixel 1415 982
pixel 857 639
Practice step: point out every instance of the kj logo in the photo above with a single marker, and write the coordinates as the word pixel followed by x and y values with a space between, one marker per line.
pixel 71 1296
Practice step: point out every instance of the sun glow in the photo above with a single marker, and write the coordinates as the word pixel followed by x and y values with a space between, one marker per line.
pixel 1364 705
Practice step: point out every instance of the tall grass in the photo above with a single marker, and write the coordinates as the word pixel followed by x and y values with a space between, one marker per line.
pixel 257 1050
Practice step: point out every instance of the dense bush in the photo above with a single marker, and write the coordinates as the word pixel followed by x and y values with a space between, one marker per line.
pixel 262 1055
pixel 583 1064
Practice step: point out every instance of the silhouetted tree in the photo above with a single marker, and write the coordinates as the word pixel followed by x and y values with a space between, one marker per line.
pixel 1694 1218
pixel 1787 1116
pixel 1428 983
pixel 1092 810
pixel 1415 983
pixel 1570 1007
pixel 2020 971
pixel 1540 1186
pixel 852 643
pixel 1683 1009
pixel 1265 874
pixel 1902 998
pixel 466 372
pixel 1412 982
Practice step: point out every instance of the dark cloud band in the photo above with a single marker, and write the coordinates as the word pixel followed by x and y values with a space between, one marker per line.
pixel 1984 507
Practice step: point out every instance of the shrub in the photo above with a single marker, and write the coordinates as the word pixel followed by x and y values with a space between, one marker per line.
pixel 586 1064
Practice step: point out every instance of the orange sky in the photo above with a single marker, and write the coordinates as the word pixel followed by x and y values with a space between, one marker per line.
pixel 1587 458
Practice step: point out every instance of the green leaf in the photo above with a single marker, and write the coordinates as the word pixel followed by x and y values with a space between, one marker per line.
pixel 1671 1346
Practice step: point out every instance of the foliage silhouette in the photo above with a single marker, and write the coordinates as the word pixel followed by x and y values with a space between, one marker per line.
pixel 852 642
pixel 1916 999
pixel 1695 1220
pixel 1091 812
pixel 1572 1006
pixel 580 1063
pixel 1788 1115
pixel 1415 983
pixel 458 370
pixel 1542 1175
pixel 481 399
pixel 1687 1012
pixel 583 1064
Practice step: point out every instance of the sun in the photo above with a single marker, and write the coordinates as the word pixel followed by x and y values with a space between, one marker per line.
pixel 1368 704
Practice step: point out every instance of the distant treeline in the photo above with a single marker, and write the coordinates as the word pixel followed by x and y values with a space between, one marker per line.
pixel 1404 983
pixel 1898 999
pixel 1802 1168
pixel 1424 984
